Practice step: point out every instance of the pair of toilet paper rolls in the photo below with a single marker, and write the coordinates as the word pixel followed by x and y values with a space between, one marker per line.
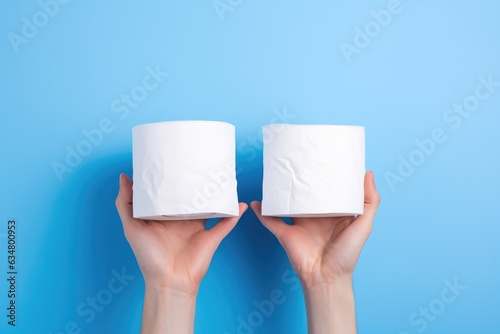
pixel 186 170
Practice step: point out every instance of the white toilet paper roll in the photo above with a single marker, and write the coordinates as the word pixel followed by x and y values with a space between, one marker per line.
pixel 313 170
pixel 184 170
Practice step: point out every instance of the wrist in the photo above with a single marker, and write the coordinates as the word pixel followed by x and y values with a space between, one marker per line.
pixel 330 307
pixel 171 293
pixel 168 310
pixel 330 292
pixel 180 288
pixel 337 281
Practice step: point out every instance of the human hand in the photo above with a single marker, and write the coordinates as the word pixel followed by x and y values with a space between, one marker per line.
pixel 325 250
pixel 172 255
pixel 324 253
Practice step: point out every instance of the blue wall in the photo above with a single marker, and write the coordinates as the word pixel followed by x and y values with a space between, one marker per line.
pixel 401 68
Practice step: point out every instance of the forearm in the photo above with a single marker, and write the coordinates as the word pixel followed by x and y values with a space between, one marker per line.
pixel 330 308
pixel 168 312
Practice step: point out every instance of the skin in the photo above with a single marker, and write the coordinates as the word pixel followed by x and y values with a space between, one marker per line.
pixel 174 257
pixel 324 253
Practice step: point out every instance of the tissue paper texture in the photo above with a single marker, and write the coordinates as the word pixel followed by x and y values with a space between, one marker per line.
pixel 313 170
pixel 184 170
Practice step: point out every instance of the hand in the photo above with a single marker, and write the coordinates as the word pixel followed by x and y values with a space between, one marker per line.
pixel 171 254
pixel 173 257
pixel 324 253
pixel 325 250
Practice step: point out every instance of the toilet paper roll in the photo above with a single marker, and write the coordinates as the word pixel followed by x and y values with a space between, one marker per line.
pixel 313 170
pixel 184 170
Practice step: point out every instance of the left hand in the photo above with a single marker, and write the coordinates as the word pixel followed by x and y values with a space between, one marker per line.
pixel 173 256
pixel 325 250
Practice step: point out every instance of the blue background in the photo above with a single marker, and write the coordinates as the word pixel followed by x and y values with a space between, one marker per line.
pixel 245 66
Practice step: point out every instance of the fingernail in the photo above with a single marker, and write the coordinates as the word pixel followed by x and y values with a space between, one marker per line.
pixel 373 179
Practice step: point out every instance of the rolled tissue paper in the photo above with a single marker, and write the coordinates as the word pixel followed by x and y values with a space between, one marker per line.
pixel 313 170
pixel 184 170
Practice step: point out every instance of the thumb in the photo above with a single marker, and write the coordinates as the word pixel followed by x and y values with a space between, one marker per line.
pixel 364 222
pixel 124 206
pixel 274 224
pixel 226 225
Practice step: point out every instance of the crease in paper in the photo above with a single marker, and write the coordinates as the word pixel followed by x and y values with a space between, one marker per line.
pixel 314 171
pixel 184 170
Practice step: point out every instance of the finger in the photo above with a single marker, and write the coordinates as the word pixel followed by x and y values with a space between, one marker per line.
pixel 124 203
pixel 372 197
pixel 226 225
pixel 364 222
pixel 274 224
pixel 124 199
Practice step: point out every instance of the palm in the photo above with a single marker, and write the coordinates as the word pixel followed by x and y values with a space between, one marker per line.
pixel 171 254
pixel 322 250
pixel 176 253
